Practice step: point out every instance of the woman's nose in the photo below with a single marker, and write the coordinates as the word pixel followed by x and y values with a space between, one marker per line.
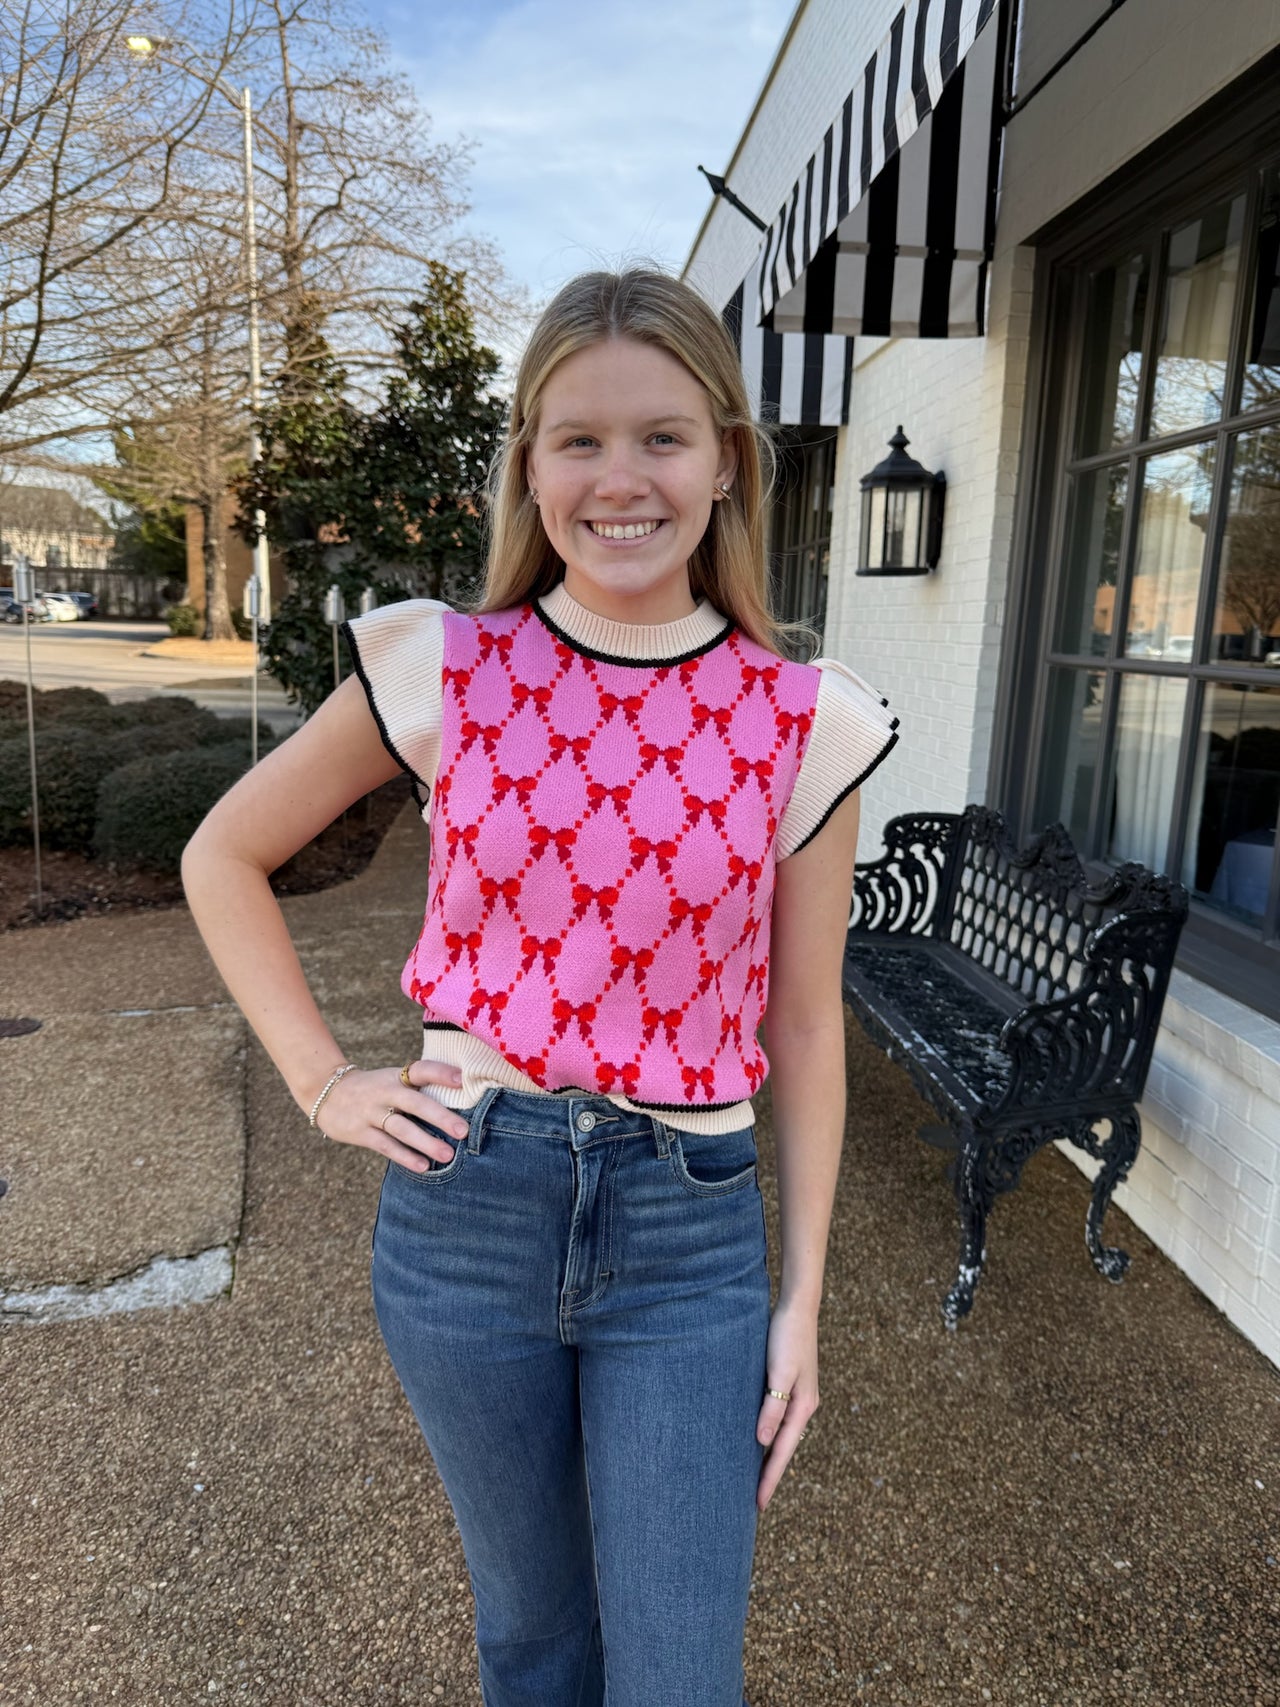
pixel 620 479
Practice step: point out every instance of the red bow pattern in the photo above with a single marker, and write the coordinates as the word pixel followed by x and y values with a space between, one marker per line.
pixel 694 1041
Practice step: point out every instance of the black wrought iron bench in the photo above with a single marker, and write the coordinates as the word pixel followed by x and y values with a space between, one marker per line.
pixel 1022 999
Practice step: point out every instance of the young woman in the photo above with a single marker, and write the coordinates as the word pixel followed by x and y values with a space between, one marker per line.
pixel 643 824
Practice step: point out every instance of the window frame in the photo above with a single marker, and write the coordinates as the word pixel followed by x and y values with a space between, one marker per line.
pixel 799 451
pixel 1226 143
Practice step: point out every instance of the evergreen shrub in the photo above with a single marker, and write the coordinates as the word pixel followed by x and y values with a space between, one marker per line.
pixel 183 620
pixel 149 809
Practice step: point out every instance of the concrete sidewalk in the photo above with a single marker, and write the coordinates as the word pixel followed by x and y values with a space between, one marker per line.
pixel 1071 1501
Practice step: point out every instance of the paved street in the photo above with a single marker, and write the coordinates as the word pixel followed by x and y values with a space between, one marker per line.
pixel 109 656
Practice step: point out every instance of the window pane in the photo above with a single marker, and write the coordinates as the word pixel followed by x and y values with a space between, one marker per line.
pixel 1147 742
pixel 1069 757
pixel 1112 365
pixel 1086 605
pixel 1246 625
pixel 1195 320
pixel 1235 798
pixel 1262 352
pixel 1172 525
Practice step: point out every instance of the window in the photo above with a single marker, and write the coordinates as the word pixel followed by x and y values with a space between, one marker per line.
pixel 804 500
pixel 1156 686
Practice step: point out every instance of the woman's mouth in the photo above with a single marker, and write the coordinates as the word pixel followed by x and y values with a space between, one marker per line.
pixel 624 532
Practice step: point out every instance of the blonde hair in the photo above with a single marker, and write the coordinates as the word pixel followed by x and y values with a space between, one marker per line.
pixel 730 564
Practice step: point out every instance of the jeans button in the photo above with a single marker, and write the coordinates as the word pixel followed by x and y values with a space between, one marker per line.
pixel 586 1121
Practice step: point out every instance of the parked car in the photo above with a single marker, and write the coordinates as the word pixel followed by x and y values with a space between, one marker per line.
pixel 11 610
pixel 60 607
pixel 88 603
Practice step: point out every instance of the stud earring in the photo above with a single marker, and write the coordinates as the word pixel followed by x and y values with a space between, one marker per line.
pixel 722 490
pixel 533 494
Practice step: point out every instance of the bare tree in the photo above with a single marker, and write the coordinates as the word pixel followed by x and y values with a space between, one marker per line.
pixel 91 141
pixel 356 196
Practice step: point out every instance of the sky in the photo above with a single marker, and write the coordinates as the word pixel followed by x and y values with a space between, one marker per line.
pixel 589 120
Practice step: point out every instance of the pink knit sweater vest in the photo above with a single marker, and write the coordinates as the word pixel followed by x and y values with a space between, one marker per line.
pixel 601 865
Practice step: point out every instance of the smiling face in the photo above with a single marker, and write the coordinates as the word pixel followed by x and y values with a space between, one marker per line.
pixel 624 463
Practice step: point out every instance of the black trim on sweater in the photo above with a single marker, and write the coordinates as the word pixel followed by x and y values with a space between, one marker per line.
pixel 844 793
pixel 421 792
pixel 633 663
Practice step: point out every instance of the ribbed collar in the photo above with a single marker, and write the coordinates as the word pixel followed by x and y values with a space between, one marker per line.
pixel 631 642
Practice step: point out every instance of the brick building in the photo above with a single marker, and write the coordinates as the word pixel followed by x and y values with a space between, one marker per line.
pixel 1045 237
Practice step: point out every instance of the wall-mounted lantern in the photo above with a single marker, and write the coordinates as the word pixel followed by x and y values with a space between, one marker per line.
pixel 901 515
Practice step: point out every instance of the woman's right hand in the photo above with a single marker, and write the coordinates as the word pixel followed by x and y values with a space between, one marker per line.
pixel 354 1109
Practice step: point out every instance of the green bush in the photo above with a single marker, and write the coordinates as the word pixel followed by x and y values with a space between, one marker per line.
pixel 74 761
pixel 148 810
pixel 69 762
pixel 183 620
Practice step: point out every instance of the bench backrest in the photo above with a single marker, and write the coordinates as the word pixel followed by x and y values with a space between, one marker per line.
pixel 1033 919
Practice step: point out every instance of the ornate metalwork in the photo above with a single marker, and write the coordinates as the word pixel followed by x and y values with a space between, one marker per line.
pixel 899 891
pixel 1022 998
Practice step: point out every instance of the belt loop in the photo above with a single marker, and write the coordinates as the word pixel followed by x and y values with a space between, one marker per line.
pixel 479 1114
pixel 663 1136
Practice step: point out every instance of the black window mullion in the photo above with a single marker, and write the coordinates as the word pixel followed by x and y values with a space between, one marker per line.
pixel 1105 770
pixel 1186 769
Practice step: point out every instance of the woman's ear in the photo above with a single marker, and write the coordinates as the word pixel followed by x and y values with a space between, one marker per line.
pixel 728 466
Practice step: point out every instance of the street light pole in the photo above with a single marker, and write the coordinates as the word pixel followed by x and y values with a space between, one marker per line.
pixel 145 47
pixel 261 561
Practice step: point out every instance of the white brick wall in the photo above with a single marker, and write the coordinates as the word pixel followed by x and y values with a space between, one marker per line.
pixel 1204 1188
pixel 1206 1185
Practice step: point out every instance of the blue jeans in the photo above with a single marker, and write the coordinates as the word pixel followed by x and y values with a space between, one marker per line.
pixel 577 1307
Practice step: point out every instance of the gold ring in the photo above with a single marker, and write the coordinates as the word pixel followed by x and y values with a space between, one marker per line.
pixel 386 1117
pixel 775 1394
pixel 405 1080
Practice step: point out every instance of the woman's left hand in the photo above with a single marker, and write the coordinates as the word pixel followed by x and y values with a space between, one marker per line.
pixel 792 1365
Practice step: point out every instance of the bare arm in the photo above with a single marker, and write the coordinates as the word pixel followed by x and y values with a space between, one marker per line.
pixel 804 1040
pixel 333 760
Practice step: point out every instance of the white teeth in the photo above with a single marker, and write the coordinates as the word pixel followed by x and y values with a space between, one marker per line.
pixel 620 530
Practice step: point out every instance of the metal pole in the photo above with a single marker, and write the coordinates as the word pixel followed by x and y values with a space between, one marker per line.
pixel 252 596
pixel 261 560
pixel 24 591
pixel 335 612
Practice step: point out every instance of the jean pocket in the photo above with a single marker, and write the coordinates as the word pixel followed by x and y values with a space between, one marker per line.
pixel 438 1172
pixel 711 1164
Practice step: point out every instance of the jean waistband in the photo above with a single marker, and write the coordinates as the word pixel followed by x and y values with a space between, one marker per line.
pixel 580 1118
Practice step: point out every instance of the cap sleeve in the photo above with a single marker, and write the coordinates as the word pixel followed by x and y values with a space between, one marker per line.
pixel 398 652
pixel 853 730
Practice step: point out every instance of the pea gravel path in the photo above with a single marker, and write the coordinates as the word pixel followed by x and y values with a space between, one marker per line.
pixel 1070 1502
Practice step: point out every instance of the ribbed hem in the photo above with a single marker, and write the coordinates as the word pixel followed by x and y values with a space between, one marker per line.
pixel 483 1066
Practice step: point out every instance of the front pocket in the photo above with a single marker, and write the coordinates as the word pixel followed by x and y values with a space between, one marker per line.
pixel 438 1172
pixel 712 1164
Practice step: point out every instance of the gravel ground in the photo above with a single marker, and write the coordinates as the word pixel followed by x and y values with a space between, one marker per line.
pixel 1072 1501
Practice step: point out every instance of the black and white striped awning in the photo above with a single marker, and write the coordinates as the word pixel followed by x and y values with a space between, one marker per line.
pixel 793 378
pixel 888 230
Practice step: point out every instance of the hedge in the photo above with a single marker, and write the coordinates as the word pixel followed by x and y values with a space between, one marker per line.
pixel 149 809
pixel 74 763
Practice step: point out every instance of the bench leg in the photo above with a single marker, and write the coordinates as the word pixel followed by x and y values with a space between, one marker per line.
pixel 975 1195
pixel 1117 1155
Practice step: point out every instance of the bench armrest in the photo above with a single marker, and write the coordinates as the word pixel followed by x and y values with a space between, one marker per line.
pixel 899 892
pixel 1097 1041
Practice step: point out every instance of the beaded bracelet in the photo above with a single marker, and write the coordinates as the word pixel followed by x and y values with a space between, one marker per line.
pixel 347 1067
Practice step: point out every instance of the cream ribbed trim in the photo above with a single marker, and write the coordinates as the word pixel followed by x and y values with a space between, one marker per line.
pixel 632 639
pixel 853 730
pixel 483 1066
